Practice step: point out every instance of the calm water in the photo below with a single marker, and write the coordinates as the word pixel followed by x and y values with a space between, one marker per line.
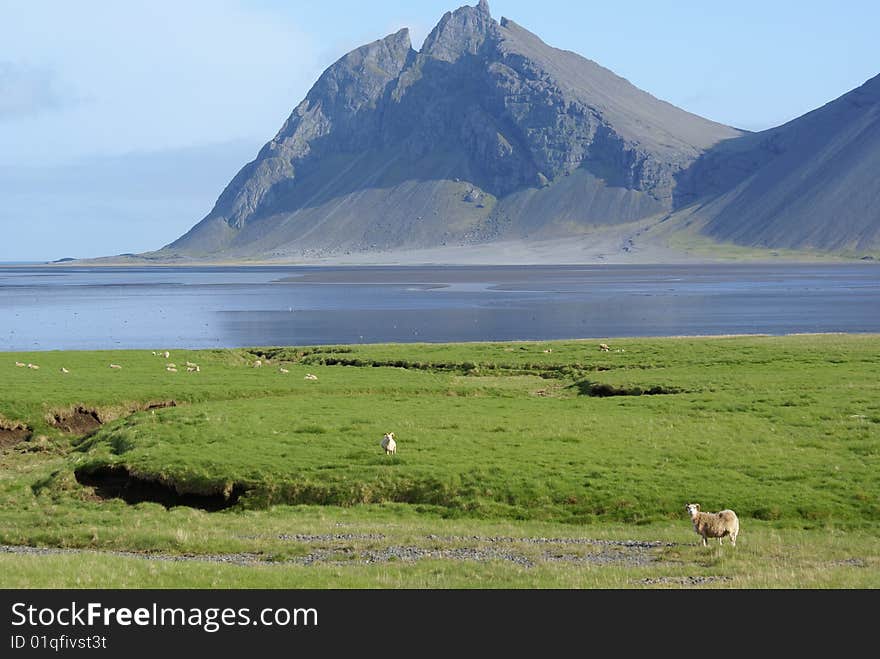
pixel 52 308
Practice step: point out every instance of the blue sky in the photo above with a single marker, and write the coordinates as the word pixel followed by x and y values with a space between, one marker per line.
pixel 120 122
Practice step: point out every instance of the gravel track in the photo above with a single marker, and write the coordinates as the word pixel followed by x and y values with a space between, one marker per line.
pixel 613 552
pixel 232 559
pixel 682 581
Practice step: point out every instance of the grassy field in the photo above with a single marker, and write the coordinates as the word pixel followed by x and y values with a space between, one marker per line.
pixel 519 465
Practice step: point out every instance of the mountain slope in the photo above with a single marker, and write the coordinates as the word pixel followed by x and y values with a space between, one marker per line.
pixel 813 183
pixel 486 134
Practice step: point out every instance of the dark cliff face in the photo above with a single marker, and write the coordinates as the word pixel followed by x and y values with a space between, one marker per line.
pixel 340 113
pixel 487 133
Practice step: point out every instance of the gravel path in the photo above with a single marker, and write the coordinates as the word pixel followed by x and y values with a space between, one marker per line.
pixel 683 581
pixel 329 537
pixel 409 554
pixel 232 559
pixel 642 544
pixel 613 552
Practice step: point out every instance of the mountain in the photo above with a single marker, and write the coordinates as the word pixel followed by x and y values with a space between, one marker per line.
pixel 813 183
pixel 487 135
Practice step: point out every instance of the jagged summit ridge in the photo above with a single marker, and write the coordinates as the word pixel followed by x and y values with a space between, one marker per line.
pixel 464 31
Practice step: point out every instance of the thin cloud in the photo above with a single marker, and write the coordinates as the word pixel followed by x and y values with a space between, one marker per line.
pixel 26 91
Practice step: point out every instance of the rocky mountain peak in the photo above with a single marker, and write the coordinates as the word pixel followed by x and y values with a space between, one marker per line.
pixel 464 31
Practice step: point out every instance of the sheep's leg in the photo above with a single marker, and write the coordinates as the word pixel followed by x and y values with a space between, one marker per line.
pixel 705 542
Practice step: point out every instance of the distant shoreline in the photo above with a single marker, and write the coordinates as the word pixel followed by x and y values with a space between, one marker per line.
pixel 104 262
pixel 401 344
pixel 605 246
pixel 639 244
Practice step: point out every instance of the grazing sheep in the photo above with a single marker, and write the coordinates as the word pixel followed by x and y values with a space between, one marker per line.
pixel 116 366
pixel 283 370
pixel 192 369
pixel 171 369
pixel 170 365
pixel 33 367
pixel 604 347
pixel 20 364
pixel 64 370
pixel 309 376
pixel 548 351
pixel 389 444
pixel 258 363
pixel 154 353
pixel 191 364
pixel 166 354
pixel 714 525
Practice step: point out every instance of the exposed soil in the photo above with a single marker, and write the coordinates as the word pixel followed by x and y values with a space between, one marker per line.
pixel 84 421
pixel 115 482
pixel 600 390
pixel 12 434
pixel 162 404
pixel 79 421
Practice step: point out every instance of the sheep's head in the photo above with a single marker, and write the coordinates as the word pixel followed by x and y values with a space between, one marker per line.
pixel 692 509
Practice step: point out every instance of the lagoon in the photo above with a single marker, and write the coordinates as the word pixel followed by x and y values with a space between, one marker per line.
pixel 89 308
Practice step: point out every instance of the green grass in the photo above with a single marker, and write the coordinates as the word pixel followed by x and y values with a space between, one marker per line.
pixel 784 430
pixel 765 557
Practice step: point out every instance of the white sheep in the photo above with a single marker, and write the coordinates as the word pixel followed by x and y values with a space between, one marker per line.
pixel 20 364
pixel 171 369
pixel 64 370
pixel 714 525
pixel 258 363
pixel 283 370
pixel 116 366
pixel 33 367
pixel 170 365
pixel 604 347
pixel 309 376
pixel 166 355
pixel 191 364
pixel 389 444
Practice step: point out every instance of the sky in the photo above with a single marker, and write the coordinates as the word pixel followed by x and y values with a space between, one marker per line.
pixel 121 122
